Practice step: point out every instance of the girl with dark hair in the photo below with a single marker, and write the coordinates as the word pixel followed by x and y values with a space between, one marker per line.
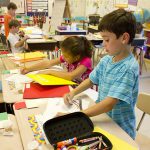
pixel 76 56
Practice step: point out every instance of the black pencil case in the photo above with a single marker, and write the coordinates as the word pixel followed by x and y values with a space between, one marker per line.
pixel 72 125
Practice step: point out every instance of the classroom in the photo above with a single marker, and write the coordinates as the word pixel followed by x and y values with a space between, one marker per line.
pixel 74 74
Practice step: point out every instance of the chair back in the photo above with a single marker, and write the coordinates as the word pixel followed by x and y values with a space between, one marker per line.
pixel 143 102
pixel 9 46
pixel 3 39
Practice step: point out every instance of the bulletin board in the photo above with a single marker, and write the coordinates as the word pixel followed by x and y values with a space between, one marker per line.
pixel 20 6
pixel 34 5
pixel 4 3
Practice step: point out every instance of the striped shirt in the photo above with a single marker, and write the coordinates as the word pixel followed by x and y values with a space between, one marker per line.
pixel 119 80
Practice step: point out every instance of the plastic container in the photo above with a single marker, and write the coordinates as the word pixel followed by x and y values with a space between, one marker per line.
pixel 73 26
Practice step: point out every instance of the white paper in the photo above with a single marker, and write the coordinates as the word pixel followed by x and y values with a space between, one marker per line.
pixel 91 93
pixel 19 78
pixel 56 105
pixel 35 102
pixel 14 71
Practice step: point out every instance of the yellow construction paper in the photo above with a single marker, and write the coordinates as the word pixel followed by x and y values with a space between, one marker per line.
pixel 44 79
pixel 117 143
pixel 30 55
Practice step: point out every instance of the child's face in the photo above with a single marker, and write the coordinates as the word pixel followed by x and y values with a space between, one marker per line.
pixel 12 12
pixel 111 43
pixel 69 58
pixel 15 29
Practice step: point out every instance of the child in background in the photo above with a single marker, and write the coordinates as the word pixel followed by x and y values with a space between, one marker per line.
pixel 9 16
pixel 17 45
pixel 117 74
pixel 76 55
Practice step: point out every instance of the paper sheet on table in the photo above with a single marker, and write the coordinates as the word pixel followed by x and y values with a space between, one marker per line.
pixel 117 143
pixel 91 93
pixel 14 71
pixel 20 56
pixel 56 105
pixel 19 78
pixel 3 118
pixel 36 103
pixel 44 79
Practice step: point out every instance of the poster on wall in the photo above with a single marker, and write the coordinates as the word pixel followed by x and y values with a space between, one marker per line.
pixel 20 5
pixel 132 2
pixel 34 6
pixel 4 3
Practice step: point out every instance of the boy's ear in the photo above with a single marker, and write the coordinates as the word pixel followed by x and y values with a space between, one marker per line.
pixel 125 38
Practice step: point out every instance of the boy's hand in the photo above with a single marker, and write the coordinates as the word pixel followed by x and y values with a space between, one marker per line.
pixel 26 37
pixel 68 98
pixel 24 70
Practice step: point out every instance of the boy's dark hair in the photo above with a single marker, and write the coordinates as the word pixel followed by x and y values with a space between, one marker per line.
pixel 14 23
pixel 139 27
pixel 78 46
pixel 11 5
pixel 119 22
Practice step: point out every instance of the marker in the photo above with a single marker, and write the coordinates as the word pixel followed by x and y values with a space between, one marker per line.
pixel 67 142
pixel 89 139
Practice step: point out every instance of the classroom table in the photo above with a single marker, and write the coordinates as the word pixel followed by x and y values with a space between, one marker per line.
pixel 42 44
pixel 9 64
pixel 96 40
pixel 70 32
pixel 103 121
pixel 13 95
pixel 11 142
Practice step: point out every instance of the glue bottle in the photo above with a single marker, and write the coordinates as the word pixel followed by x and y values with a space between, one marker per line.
pixel 67 142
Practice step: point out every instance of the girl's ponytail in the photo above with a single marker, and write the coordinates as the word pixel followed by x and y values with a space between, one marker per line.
pixel 76 45
pixel 88 47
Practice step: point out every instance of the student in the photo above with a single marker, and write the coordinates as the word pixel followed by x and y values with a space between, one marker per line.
pixel 9 16
pixel 117 74
pixel 76 56
pixel 17 45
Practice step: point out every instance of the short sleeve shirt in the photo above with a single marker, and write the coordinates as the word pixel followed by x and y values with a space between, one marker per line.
pixel 119 80
pixel 86 61
pixel 13 39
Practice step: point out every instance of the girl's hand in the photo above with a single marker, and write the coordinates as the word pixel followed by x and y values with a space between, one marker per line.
pixel 24 70
pixel 68 98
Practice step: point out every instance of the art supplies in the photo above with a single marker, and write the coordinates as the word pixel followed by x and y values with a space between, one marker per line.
pixel 68 142
pixel 36 128
pixel 31 55
pixel 61 130
pixel 118 144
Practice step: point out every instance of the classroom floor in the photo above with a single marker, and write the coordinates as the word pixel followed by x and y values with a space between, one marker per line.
pixel 144 87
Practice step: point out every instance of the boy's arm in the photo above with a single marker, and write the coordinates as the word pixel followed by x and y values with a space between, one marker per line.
pixel 104 106
pixel 67 75
pixel 82 87
pixel 41 65
pixel 21 42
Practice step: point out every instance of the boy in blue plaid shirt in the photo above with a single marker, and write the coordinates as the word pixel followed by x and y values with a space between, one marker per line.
pixel 117 74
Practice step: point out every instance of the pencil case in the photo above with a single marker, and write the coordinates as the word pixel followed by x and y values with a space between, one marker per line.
pixel 73 127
